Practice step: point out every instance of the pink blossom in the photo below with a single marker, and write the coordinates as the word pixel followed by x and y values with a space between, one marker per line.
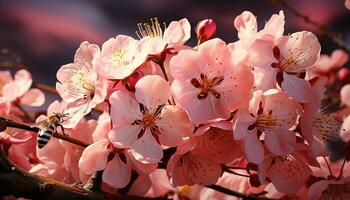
pixel 175 35
pixel 120 57
pixel 19 89
pixel 347 4
pixel 330 189
pixel 327 64
pixel 209 81
pixel 187 168
pixel 142 128
pixel 345 95
pixel 317 126
pixel 286 173
pixel 272 114
pixel 79 84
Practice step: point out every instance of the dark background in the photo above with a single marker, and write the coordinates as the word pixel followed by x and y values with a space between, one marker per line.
pixel 47 33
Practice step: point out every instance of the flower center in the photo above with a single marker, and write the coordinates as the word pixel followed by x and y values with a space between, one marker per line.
pixel 120 57
pixel 82 82
pixel 266 122
pixel 152 30
pixel 206 85
pixel 148 120
pixel 334 192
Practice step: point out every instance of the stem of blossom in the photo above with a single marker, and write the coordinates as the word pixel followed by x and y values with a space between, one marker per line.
pixel 10 123
pixel 235 193
pixel 328 166
pixel 342 169
pixel 161 65
pixel 18 60
pixel 235 173
pixel 336 37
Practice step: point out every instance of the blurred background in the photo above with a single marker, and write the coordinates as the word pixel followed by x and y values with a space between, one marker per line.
pixel 46 33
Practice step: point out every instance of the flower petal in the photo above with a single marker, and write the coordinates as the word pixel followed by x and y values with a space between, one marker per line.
pixel 124 136
pixel 299 89
pixel 34 97
pixel 146 149
pixel 254 149
pixel 117 174
pixel 152 91
pixel 281 141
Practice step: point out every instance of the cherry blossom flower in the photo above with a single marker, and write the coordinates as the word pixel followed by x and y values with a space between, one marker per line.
pixel 207 80
pixel 175 35
pixel 330 189
pixel 327 64
pixel 273 114
pixel 79 85
pixel 187 168
pixel 144 122
pixel 120 57
pixel 347 4
pixel 18 89
pixel 316 125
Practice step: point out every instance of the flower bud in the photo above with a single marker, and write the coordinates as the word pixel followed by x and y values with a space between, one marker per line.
pixel 344 75
pixel 205 30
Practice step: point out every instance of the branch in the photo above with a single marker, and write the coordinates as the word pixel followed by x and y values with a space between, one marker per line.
pixel 14 181
pixel 236 194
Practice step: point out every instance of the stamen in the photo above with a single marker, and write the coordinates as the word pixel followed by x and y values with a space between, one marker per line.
pixel 326 126
pixel 152 30
pixel 266 122
pixel 207 85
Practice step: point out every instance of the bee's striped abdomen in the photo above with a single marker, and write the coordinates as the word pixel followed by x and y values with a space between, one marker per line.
pixel 44 136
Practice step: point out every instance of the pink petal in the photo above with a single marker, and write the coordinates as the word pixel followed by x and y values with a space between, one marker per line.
pixel 260 53
pixel 280 142
pixel 299 89
pixel 178 32
pixel 316 189
pixel 116 174
pixel 140 186
pixel 200 170
pixel 124 136
pixel 345 95
pixel 152 91
pixel 289 176
pixel 156 44
pixel 34 97
pixel 85 53
pixel 339 57
pixel 174 126
pixel 347 4
pixel 5 77
pixel 103 127
pixel 146 149
pixel 242 123
pixel 24 80
pixel 98 151
pixel 275 25
pixel 124 109
pixel 176 172
pixel 254 148
pixel 12 91
pixel 246 25
pixel 139 167
pixel 214 51
pixel 305 47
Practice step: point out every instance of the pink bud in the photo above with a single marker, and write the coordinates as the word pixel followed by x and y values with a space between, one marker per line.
pixel 205 29
pixel 344 75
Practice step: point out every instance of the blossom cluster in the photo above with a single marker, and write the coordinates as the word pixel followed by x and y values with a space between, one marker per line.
pixel 246 115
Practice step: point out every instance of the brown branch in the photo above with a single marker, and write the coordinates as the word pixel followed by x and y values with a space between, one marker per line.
pixel 14 181
pixel 336 37
pixel 236 194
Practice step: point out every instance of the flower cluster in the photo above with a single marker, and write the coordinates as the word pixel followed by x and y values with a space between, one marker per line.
pixel 247 115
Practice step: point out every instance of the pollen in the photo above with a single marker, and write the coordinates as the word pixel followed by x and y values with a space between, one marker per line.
pixel 266 122
pixel 148 120
pixel 119 57
pixel 326 126
pixel 153 29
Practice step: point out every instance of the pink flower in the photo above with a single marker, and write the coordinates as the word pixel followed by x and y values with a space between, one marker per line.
pixel 120 57
pixel 175 35
pixel 79 85
pixel 286 173
pixel 272 114
pixel 347 4
pixel 144 122
pixel 345 95
pixel 19 89
pixel 318 126
pixel 205 29
pixel 209 81
pixel 294 54
pixel 327 64
pixel 187 168
pixel 330 189
pixel 214 141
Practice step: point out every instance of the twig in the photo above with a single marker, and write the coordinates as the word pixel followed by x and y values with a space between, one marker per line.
pixel 235 193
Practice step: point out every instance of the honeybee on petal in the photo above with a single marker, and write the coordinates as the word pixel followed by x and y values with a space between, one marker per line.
pixel 48 127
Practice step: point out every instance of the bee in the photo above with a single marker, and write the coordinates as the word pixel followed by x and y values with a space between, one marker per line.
pixel 48 127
